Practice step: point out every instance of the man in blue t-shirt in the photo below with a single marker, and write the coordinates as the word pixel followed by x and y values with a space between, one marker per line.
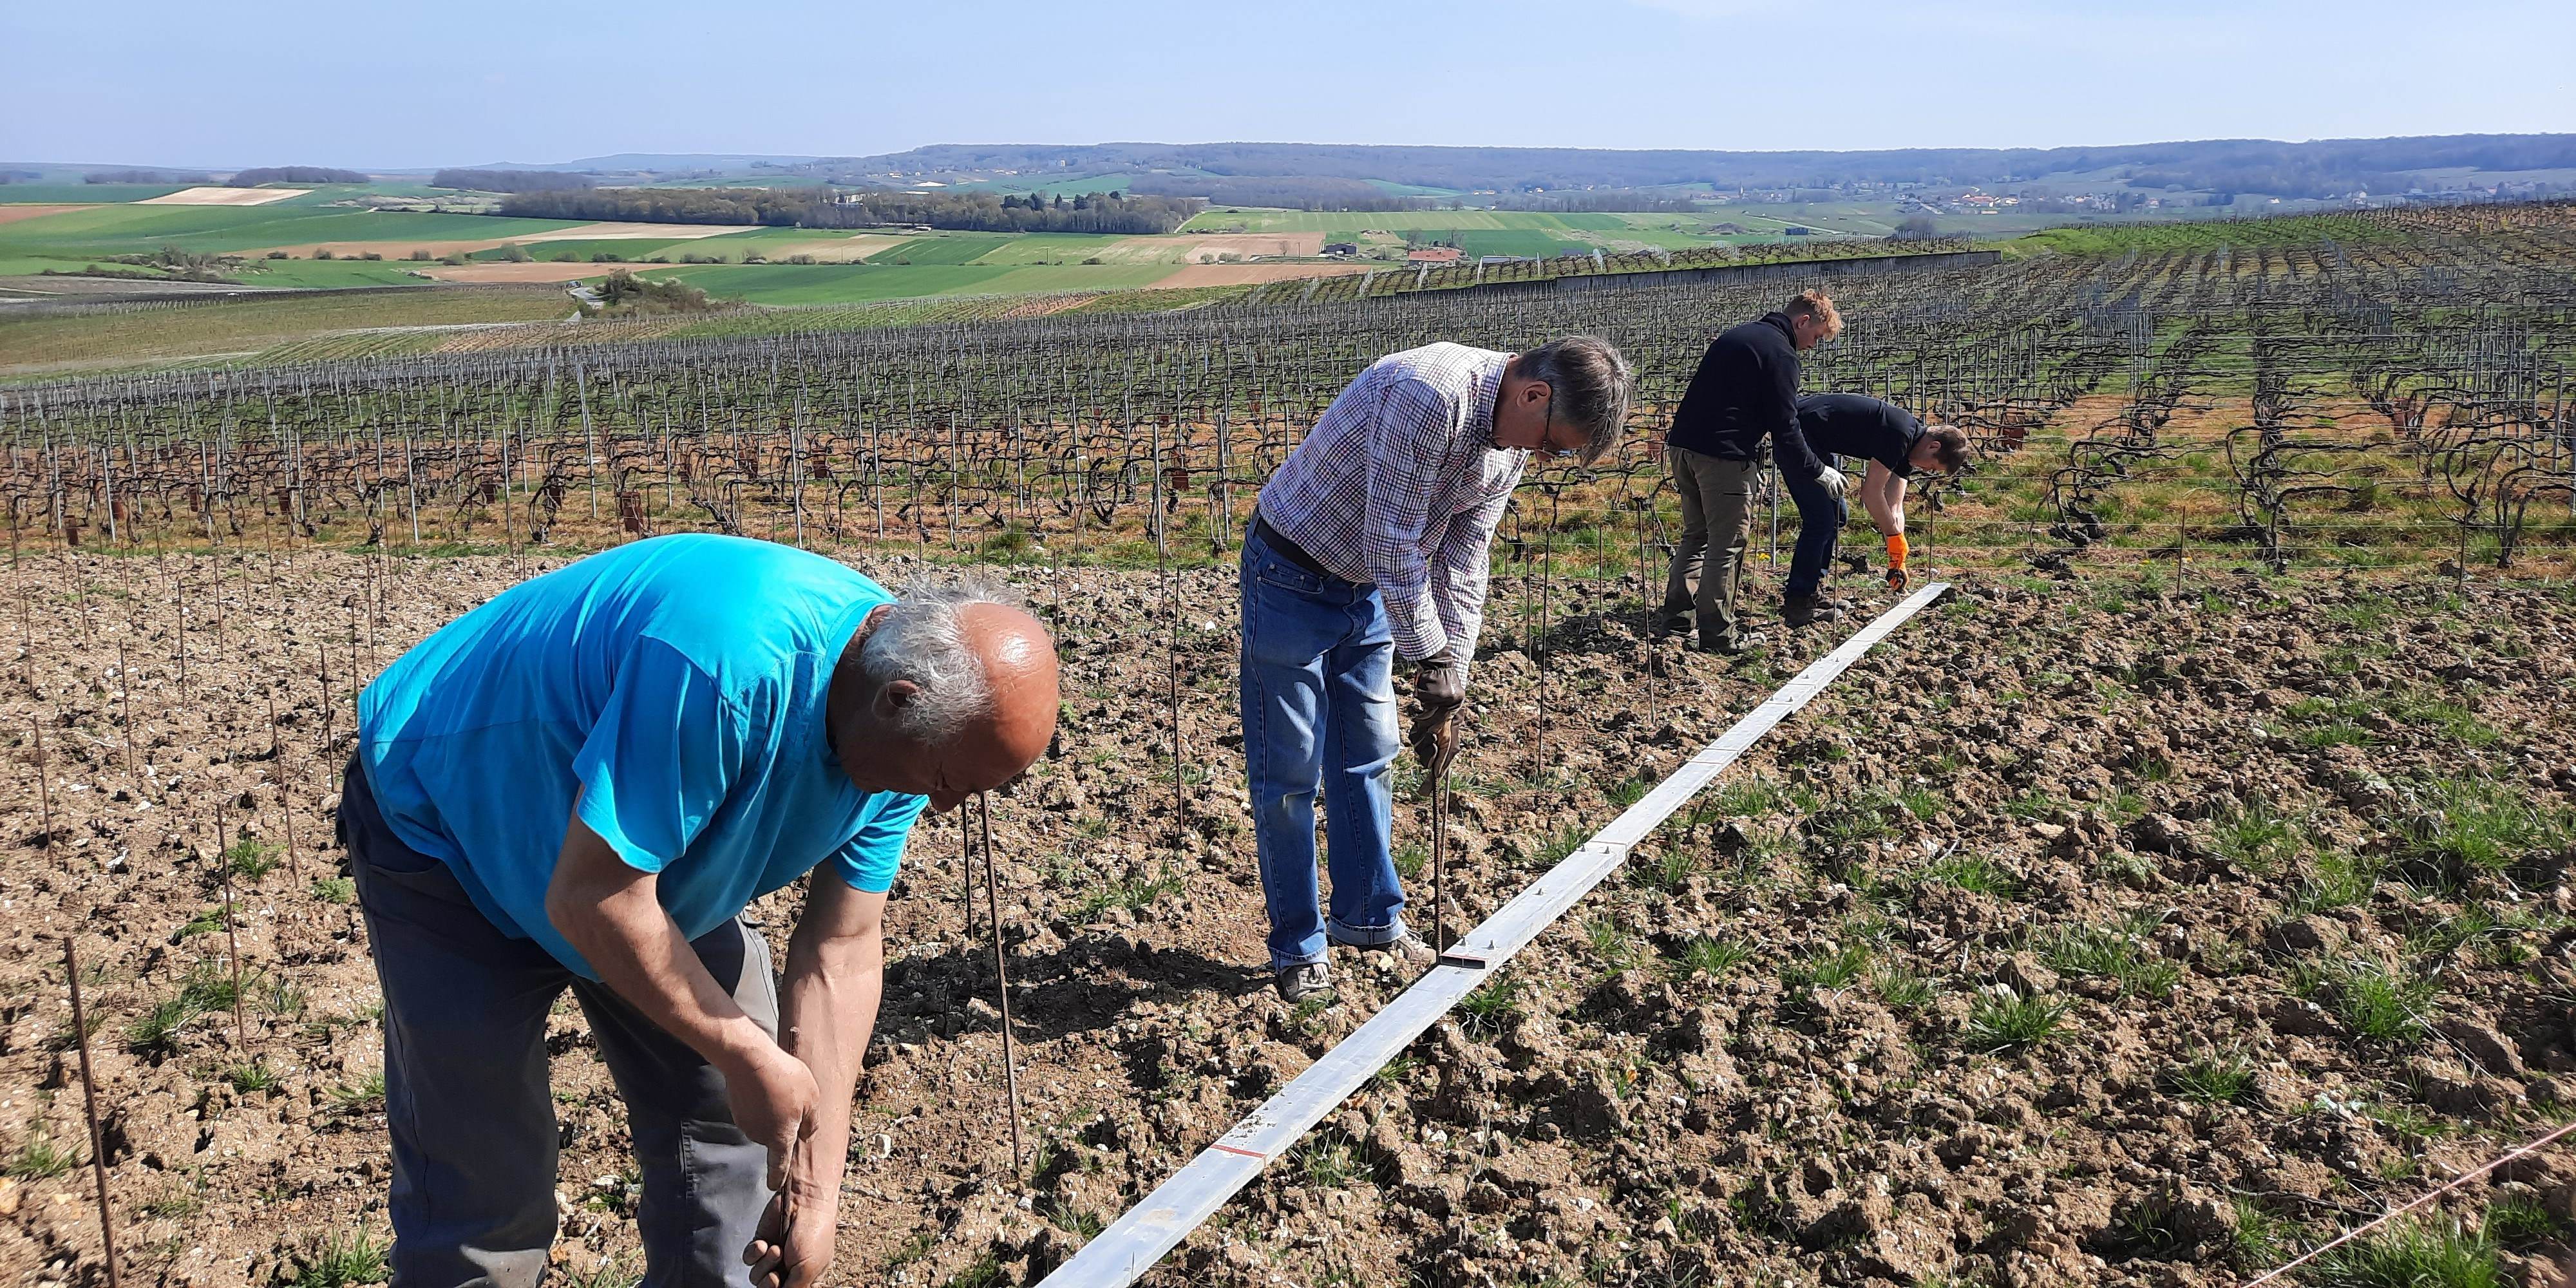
pixel 582 784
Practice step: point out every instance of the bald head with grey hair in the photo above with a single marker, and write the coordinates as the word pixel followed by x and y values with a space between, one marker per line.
pixel 947 691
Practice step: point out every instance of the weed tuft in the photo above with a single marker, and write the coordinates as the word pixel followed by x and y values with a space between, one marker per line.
pixel 2001 1020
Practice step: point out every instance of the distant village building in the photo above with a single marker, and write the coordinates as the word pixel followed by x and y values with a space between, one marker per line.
pixel 1341 248
pixel 1434 255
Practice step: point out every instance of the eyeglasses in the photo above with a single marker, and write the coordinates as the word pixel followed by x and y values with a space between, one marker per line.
pixel 1547 444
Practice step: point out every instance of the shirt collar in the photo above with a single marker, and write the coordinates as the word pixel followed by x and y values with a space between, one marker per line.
pixel 1489 386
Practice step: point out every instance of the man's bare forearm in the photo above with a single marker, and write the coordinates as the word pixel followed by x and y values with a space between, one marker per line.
pixel 831 1009
pixel 611 915
pixel 835 978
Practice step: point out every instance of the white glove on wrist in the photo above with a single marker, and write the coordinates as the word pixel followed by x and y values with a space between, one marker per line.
pixel 1835 481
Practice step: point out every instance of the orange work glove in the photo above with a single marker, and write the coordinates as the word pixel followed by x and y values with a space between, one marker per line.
pixel 1896 553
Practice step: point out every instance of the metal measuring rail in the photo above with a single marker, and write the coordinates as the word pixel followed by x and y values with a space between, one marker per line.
pixel 1140 1237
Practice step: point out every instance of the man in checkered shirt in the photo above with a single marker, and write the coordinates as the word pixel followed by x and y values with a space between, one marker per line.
pixel 1370 545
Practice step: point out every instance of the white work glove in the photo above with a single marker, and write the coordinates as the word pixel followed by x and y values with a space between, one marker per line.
pixel 1835 481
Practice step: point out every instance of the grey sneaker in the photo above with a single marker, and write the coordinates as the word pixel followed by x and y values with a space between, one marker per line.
pixel 1297 983
pixel 1409 949
pixel 1744 642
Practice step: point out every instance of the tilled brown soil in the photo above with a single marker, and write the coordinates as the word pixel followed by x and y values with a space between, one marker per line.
pixel 2082 933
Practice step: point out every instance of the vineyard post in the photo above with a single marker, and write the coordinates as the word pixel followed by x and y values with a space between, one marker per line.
pixel 125 709
pixel 232 940
pixel 285 800
pixel 1001 970
pixel 44 787
pixel 89 1110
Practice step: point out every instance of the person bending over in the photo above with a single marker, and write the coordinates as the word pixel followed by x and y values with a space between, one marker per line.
pixel 1369 545
pixel 582 784
pixel 1897 447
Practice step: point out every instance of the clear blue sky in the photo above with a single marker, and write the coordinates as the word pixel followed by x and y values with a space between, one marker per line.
pixel 400 85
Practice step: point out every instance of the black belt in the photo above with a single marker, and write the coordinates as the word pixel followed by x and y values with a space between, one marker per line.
pixel 1289 550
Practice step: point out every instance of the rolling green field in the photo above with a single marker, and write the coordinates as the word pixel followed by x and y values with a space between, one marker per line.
pixel 66 194
pixel 80 235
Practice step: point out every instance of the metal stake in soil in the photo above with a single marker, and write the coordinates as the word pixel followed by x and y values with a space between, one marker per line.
pixel 1001 971
pixel 44 788
pixel 232 945
pixel 89 1107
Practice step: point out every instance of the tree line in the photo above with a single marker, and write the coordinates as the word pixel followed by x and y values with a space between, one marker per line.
pixel 1110 212
pixel 258 175
pixel 141 176
pixel 511 180
pixel 2245 165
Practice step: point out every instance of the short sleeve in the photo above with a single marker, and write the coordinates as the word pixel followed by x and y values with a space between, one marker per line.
pixel 867 862
pixel 659 761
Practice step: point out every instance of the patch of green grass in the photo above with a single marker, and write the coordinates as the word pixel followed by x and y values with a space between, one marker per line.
pixel 38 1158
pixel 1612 943
pixel 1707 955
pixel 1135 894
pixel 1855 821
pixel 1922 802
pixel 2261 1240
pixel 358 1096
pixel 1325 1160
pixel 1837 969
pixel 1975 873
pixel 2110 953
pixel 251 860
pixel 2519 1221
pixel 1748 797
pixel 1904 989
pixel 1666 868
pixel 1079 1222
pixel 2415 1253
pixel 1631 789
pixel 2002 1020
pixel 985 1272
pixel 2335 880
pixel 2213 1079
pixel 1487 1011
pixel 2466 827
pixel 2255 837
pixel 255 1078
pixel 335 890
pixel 339 1260
pixel 2375 1002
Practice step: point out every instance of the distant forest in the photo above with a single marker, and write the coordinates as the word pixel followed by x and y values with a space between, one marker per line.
pixel 256 176
pixel 141 176
pixel 2318 169
pixel 815 208
pixel 511 181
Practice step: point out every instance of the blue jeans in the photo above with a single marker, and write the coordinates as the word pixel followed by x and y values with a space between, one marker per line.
pixel 1319 711
pixel 1820 525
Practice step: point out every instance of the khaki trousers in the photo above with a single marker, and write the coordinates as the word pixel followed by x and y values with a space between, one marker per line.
pixel 1717 516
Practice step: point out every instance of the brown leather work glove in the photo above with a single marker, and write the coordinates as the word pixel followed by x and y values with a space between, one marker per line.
pixel 1439 691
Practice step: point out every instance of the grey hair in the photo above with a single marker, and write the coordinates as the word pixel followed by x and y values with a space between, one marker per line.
pixel 922 638
pixel 1590 382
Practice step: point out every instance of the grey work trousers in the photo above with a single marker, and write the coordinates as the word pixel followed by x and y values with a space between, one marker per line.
pixel 467 1100
pixel 1717 516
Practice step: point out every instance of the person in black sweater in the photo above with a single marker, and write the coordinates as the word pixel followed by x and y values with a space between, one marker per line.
pixel 1897 447
pixel 1744 394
